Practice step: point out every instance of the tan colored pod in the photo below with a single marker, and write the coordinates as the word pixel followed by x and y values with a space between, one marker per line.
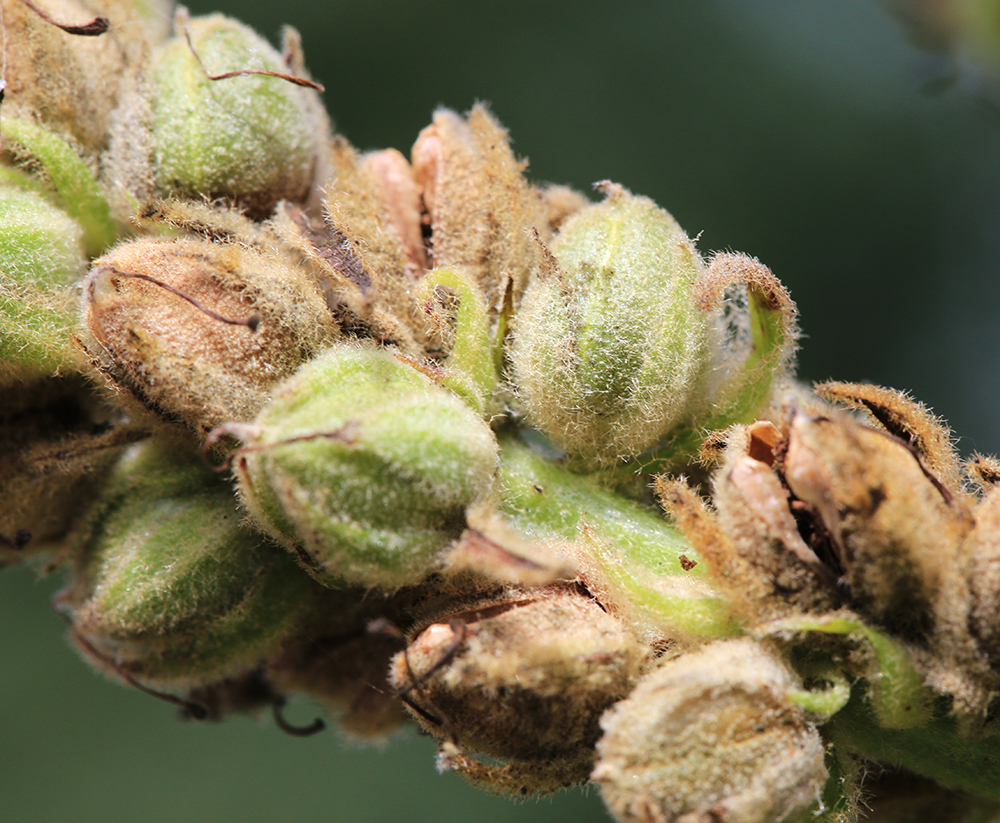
pixel 711 736
pixel 194 333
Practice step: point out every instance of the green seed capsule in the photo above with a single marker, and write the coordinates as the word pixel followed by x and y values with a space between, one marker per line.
pixel 41 255
pixel 365 467
pixel 250 138
pixel 609 346
pixel 170 589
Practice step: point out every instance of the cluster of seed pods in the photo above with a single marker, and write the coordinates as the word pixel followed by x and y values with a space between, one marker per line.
pixel 399 433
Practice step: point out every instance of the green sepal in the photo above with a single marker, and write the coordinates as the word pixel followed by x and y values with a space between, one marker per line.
pixel 470 369
pixel 895 688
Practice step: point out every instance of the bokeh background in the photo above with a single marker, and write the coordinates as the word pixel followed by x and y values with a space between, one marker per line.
pixel 801 133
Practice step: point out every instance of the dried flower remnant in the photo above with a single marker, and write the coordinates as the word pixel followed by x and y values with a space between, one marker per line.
pixel 67 70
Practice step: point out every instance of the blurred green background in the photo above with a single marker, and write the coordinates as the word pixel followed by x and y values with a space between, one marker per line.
pixel 797 132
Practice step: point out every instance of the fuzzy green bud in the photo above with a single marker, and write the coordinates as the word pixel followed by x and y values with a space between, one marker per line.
pixel 170 589
pixel 711 735
pixel 41 256
pixel 254 139
pixel 610 345
pixel 366 467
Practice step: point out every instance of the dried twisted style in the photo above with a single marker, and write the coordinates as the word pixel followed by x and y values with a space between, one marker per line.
pixel 435 396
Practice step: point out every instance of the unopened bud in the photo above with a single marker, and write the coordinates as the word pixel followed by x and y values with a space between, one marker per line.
pixel 365 466
pixel 711 735
pixel 609 345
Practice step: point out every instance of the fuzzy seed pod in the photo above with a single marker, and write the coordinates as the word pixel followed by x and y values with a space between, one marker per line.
pixel 70 80
pixel 711 736
pixel 41 256
pixel 252 139
pixel 365 467
pixel 170 589
pixel 196 333
pixel 523 678
pixel 609 345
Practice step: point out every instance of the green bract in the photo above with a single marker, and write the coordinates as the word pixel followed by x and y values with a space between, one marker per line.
pixel 366 467
pixel 609 345
pixel 251 138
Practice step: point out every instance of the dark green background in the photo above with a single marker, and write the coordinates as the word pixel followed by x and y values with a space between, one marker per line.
pixel 796 132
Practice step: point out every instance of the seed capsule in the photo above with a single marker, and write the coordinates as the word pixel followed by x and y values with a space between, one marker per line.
pixel 365 467
pixel 253 139
pixel 524 678
pixel 609 346
pixel 711 736
pixel 196 333
pixel 170 589
pixel 41 255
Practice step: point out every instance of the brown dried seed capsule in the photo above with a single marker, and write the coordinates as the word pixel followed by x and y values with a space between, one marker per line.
pixel 342 662
pixel 896 530
pixel 196 333
pixel 524 679
pixel 711 736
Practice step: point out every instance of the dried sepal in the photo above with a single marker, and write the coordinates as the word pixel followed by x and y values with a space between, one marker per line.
pixel 755 550
pixel 480 209
pixel 356 255
pixel 524 678
pixel 983 470
pixel 908 419
pixel 895 529
pixel 712 735
pixel 192 333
